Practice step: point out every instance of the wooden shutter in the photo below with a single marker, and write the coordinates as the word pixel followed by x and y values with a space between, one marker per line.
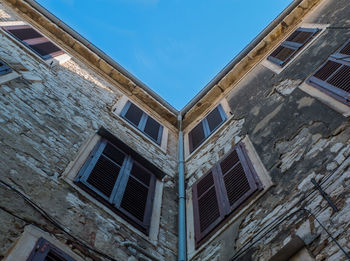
pixel 333 76
pixel 294 43
pixel 45 251
pixel 137 199
pixel 4 68
pixel 239 178
pixel 34 40
pixel 100 173
pixel 196 136
pixel 153 129
pixel 208 206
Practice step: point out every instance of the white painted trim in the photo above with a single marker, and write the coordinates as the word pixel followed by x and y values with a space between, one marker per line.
pixel 26 243
pixel 72 170
pixel 326 99
pixel 266 181
pixel 278 69
pixel 8 77
pixel 117 109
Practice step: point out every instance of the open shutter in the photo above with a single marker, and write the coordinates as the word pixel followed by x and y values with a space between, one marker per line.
pixel 45 251
pixel 239 180
pixel 208 206
pixel 153 129
pixel 333 76
pixel 196 136
pixel 4 68
pixel 37 42
pixel 137 199
pixel 298 39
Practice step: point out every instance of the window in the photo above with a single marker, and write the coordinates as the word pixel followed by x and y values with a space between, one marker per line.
pixel 121 182
pixel 294 43
pixel 142 121
pixel 4 68
pixel 222 190
pixel 333 77
pixel 44 250
pixel 206 127
pixel 34 40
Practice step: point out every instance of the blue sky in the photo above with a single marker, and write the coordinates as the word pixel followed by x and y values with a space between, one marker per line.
pixel 174 46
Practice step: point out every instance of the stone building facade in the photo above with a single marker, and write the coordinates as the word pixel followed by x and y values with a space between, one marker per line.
pixel 91 157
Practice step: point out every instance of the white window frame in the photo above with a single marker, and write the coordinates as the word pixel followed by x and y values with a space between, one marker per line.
pixel 117 110
pixel 278 69
pixel 72 171
pixel 266 181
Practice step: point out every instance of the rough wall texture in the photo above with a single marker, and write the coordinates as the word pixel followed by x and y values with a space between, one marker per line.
pixel 297 138
pixel 46 114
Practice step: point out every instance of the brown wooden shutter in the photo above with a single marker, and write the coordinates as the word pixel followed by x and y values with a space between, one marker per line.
pixel 294 43
pixel 208 207
pixel 239 178
pixel 37 42
pixel 196 136
pixel 333 77
pixel 138 196
pixel 105 172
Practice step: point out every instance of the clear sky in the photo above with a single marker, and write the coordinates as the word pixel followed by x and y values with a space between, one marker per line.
pixel 174 46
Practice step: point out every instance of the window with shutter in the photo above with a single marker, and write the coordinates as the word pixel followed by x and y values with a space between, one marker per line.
pixel 206 127
pixel 142 121
pixel 34 40
pixel 222 190
pixel 333 77
pixel 294 43
pixel 121 182
pixel 44 250
pixel 4 68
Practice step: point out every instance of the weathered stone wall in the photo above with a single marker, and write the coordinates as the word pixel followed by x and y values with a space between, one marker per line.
pixel 46 115
pixel 297 138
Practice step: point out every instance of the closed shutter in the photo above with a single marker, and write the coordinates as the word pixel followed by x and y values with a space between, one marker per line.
pixel 196 136
pixel 333 76
pixel 238 177
pixel 137 200
pixel 45 251
pixel 226 186
pixel 214 119
pixel 294 43
pixel 208 206
pixel 100 173
pixel 153 129
pixel 4 68
pixel 132 113
pixel 34 40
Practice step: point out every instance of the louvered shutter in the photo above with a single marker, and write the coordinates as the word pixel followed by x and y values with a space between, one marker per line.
pixel 214 119
pixel 153 129
pixel 283 53
pixel 101 171
pixel 132 113
pixel 37 42
pixel 45 251
pixel 4 68
pixel 208 206
pixel 238 176
pixel 333 76
pixel 137 199
pixel 196 136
